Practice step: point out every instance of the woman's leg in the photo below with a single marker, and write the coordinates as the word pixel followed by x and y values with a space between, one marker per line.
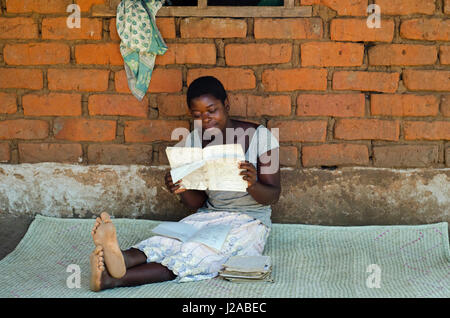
pixel 131 264
pixel 140 275
pixel 143 273
pixel 134 257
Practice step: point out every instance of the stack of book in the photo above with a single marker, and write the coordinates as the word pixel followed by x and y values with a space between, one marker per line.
pixel 247 269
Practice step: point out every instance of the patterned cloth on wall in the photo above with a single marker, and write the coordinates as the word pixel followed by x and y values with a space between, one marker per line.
pixel 141 41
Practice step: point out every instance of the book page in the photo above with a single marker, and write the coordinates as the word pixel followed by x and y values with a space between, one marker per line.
pixel 186 163
pixel 222 166
pixel 193 176
pixel 180 156
pixel 212 235
pixel 176 230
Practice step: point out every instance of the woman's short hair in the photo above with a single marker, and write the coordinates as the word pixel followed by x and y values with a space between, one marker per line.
pixel 206 85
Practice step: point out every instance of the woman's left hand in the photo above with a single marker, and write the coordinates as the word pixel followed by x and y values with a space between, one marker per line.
pixel 249 173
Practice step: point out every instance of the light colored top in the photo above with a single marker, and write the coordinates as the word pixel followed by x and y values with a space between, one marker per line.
pixel 262 141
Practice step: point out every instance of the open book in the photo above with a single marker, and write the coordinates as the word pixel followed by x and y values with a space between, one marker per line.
pixel 212 236
pixel 213 167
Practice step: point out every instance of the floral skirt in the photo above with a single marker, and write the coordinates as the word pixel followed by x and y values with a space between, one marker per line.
pixel 192 261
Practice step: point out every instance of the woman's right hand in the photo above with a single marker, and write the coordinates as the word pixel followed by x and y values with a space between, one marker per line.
pixel 174 188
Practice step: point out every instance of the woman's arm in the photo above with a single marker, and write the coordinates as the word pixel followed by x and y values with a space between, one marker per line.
pixel 192 199
pixel 266 190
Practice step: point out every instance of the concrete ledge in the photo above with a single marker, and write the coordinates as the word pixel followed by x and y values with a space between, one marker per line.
pixel 345 196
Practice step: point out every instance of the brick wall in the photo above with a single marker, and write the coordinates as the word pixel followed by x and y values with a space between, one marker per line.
pixel 340 93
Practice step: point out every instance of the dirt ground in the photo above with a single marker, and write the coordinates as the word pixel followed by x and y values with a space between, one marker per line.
pixel 12 230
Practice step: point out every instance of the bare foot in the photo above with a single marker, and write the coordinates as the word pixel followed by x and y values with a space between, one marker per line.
pixel 97 268
pixel 104 234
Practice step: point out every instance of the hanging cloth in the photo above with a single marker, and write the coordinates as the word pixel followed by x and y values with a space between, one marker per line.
pixel 141 41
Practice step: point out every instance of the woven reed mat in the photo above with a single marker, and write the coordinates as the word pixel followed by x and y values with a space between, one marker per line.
pixel 308 261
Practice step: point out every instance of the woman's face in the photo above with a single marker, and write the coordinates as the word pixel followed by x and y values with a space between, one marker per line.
pixel 211 111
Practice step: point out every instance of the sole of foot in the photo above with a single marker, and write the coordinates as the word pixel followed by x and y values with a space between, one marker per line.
pixel 97 268
pixel 104 235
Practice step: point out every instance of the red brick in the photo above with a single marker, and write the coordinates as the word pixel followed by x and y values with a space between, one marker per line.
pixel 407 156
pixel 166 81
pixel 189 53
pixel 445 54
pixel 405 7
pixel 268 105
pixel 300 131
pixel 21 78
pixel 113 33
pixel 18 28
pixel 81 129
pixel 374 129
pixel 402 54
pixel 334 105
pixel 427 80
pixel 366 81
pixel 256 54
pixel 404 105
pixel 447 150
pixel 231 78
pixel 5 155
pixel 331 54
pixel 46 152
pixel 294 79
pixel 252 105
pixel 356 30
pixel 213 28
pixel 53 104
pixel 23 129
pixel 162 156
pixel 8 103
pixel 288 156
pixel 87 80
pixel 166 26
pixel 114 154
pixel 101 54
pixel 85 5
pixel 445 105
pixel 335 155
pixel 421 130
pixel 238 104
pixel 426 29
pixel 172 105
pixel 56 29
pixel 36 54
pixel 152 130
pixel 38 6
pixel 168 57
pixel 117 105
pixel 343 7
pixel 162 81
pixel 288 28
